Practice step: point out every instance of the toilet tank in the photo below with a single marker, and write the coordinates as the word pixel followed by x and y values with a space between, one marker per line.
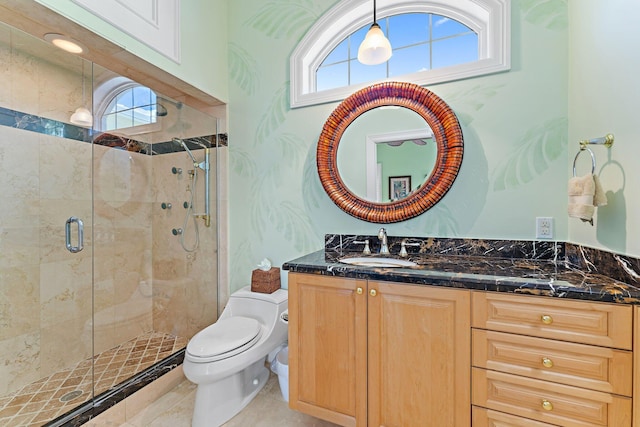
pixel 263 307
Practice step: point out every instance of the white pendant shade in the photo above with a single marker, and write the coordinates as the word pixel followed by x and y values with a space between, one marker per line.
pixel 375 48
pixel 82 117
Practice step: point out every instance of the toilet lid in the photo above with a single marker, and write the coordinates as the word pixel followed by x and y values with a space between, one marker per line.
pixel 225 336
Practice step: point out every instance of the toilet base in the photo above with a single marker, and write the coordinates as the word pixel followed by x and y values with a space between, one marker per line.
pixel 218 402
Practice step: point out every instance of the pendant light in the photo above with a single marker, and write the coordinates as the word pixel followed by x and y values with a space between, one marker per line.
pixel 82 116
pixel 375 48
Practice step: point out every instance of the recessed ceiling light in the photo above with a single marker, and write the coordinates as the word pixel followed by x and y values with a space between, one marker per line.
pixel 65 43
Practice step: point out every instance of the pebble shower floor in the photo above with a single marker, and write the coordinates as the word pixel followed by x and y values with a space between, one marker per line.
pixel 46 399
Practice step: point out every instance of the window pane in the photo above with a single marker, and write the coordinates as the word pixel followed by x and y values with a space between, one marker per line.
pixel 340 53
pixel 142 115
pixel 332 76
pixel 124 119
pixel 408 29
pixel 444 27
pixel 141 96
pixel 409 60
pixel 109 122
pixel 356 40
pixel 456 50
pixel 125 100
pixel 365 73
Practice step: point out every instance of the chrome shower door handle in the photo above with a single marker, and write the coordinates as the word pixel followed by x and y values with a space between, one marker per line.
pixel 70 247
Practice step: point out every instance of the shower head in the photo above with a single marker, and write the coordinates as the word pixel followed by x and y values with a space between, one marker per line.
pixel 180 142
pixel 161 110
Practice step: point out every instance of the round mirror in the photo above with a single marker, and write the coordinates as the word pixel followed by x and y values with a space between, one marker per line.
pixel 366 185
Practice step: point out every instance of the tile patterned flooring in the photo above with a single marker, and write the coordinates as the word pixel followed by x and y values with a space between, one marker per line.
pixel 39 402
pixel 174 409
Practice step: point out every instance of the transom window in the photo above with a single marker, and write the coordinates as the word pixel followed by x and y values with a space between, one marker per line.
pixel 420 42
pixel 133 106
pixel 433 41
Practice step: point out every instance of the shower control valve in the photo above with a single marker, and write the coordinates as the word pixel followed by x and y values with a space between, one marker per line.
pixel 176 171
pixel 165 205
pixel 176 231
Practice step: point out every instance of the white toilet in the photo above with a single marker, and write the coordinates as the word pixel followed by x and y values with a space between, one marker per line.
pixel 227 359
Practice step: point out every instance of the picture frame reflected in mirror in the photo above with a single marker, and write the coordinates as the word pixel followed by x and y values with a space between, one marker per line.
pixel 399 187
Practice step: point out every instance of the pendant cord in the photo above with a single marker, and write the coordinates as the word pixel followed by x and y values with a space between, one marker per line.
pixel 374 11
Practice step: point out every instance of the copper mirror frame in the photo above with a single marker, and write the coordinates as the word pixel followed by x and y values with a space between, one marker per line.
pixel 447 134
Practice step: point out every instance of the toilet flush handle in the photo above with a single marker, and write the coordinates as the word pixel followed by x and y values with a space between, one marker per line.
pixel 284 317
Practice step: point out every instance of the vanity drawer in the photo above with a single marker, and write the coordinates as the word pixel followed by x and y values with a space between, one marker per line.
pixel 548 402
pixel 481 417
pixel 597 368
pixel 602 324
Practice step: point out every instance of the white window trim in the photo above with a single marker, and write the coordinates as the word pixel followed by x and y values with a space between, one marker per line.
pixel 490 19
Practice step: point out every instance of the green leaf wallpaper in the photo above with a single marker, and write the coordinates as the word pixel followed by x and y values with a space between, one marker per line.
pixel 549 13
pixel 538 148
pixel 243 69
pixel 514 136
pixel 275 114
pixel 284 19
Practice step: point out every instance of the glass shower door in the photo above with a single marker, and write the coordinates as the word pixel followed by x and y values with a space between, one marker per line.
pixel 45 191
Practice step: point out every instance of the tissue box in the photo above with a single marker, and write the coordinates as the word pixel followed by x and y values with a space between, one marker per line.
pixel 265 282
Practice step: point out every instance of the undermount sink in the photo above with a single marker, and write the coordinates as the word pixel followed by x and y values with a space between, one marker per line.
pixel 377 262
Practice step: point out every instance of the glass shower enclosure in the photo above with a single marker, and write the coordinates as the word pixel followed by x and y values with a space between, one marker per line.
pixel 107 263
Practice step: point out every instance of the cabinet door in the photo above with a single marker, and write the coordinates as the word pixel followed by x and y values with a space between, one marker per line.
pixel 327 348
pixel 419 356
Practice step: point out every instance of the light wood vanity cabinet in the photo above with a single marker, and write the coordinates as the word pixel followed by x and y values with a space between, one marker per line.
pixel 367 353
pixel 558 362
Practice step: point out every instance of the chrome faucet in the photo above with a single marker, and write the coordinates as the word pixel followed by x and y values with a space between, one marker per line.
pixel 384 247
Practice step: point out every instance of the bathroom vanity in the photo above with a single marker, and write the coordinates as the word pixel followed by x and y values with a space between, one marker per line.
pixel 479 333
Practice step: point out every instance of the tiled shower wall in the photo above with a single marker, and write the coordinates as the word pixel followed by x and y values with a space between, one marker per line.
pixel 184 283
pixel 132 276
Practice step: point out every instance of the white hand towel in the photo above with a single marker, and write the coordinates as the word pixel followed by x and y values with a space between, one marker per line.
pixel 585 194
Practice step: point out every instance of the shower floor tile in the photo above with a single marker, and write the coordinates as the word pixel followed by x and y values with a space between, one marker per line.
pixel 48 398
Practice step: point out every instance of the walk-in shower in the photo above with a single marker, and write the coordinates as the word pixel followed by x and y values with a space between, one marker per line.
pixel 95 298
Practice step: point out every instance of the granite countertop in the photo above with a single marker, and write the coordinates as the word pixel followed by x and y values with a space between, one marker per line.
pixel 546 276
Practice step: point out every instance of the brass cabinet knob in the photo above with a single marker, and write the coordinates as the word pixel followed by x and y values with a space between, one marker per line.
pixel 373 292
pixel 546 319
pixel 359 291
pixel 546 405
pixel 547 363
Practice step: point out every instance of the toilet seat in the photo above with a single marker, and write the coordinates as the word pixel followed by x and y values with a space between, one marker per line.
pixel 225 338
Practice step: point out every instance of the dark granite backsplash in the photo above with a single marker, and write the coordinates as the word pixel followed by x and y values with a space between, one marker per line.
pixel 574 257
pixel 619 267
pixel 531 250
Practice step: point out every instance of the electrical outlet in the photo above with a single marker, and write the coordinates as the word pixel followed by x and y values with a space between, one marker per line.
pixel 544 227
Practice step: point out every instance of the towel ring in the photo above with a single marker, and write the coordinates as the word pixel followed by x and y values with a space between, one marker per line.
pixel 593 160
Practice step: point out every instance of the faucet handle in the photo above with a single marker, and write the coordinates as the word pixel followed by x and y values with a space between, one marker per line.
pixel 403 247
pixel 366 249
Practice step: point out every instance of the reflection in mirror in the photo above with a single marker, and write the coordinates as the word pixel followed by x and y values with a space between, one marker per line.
pixel 382 143
pixel 440 121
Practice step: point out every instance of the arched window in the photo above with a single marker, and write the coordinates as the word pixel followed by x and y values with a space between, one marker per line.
pixel 122 104
pixel 135 106
pixel 433 41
